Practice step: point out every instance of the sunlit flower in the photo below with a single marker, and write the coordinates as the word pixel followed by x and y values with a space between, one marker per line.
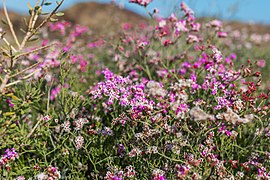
pixel 141 2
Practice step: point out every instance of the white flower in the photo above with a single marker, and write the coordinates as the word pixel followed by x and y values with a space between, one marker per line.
pixel 42 176
pixel 198 114
pixel 162 23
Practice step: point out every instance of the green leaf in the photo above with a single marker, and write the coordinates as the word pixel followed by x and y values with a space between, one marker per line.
pixel 45 13
pixel 47 3
pixel 33 39
pixel 6 54
pixel 8 113
pixel 12 125
pixel 60 14
pixel 3 21
pixel 14 97
pixel 25 21
pixel 53 19
pixel 23 30
pixel 37 8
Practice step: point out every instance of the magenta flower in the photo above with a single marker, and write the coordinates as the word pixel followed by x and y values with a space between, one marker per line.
pixel 141 2
pixel 60 26
pixel 261 63
pixel 181 26
pixel 158 175
pixel 192 39
pixel 195 27
pixel 216 24
pixel 55 91
pixel 222 34
pixel 10 154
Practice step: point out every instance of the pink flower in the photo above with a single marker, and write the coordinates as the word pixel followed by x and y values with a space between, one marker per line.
pixel 45 42
pixel 186 9
pixel 181 26
pixel 73 59
pixel 142 44
pixel 158 175
pixel 217 56
pixel 261 63
pixel 20 178
pixel 167 42
pixel 173 18
pixel 46 118
pixel 60 26
pixel 216 24
pixel 195 27
pixel 83 65
pixel 162 23
pixel 192 39
pixel 55 91
pixel 141 2
pixel 126 26
pixel 79 141
pixel 222 34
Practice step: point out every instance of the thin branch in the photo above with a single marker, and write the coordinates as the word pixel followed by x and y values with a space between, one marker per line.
pixel 6 41
pixel 10 24
pixel 26 69
pixel 4 82
pixel 35 50
pixel 13 83
pixel 23 78
pixel 30 33
pixel 31 26
pixel 32 131
pixel 27 37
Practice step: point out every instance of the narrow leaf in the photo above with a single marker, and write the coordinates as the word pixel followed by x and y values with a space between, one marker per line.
pixel 53 19
pixel 60 14
pixel 32 40
pixel 45 13
pixel 29 6
pixel 8 113
pixel 3 21
pixel 47 3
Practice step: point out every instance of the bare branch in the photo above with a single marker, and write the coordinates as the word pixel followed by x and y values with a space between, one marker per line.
pixel 35 50
pixel 7 43
pixel 34 31
pixel 26 69
pixel 31 26
pixel 10 24
pixel 20 80
pixel 4 83
pixel 32 131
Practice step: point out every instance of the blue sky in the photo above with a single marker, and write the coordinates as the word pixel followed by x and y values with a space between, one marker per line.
pixel 242 10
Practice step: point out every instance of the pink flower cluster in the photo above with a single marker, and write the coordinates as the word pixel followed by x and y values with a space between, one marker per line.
pixel 141 2
pixel 10 155
pixel 118 88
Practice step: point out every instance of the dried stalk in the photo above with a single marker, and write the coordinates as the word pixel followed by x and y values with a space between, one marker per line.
pixel 30 33
pixel 35 50
pixel 8 44
pixel 10 24
pixel 26 69
pixel 34 31
pixel 31 25
pixel 23 78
